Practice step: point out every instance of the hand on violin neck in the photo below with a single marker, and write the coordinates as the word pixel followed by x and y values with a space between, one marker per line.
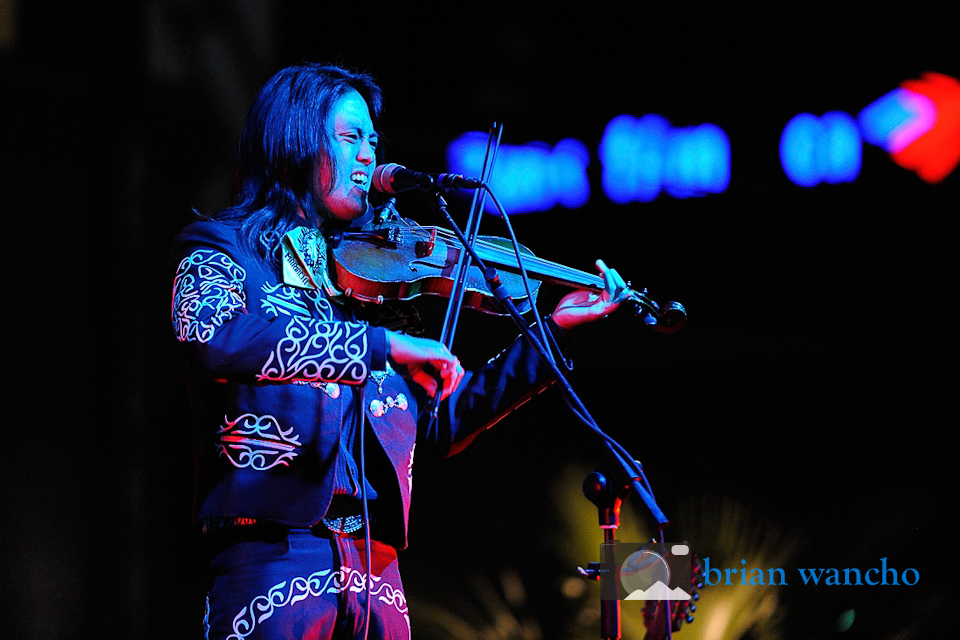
pixel 583 306
pixel 426 362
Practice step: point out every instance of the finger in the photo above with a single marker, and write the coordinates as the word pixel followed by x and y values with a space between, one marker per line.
pixel 426 381
pixel 614 285
pixel 451 376
pixel 459 373
pixel 613 276
pixel 447 388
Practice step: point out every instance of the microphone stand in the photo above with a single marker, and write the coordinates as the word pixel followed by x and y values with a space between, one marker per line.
pixel 627 471
pixel 607 488
pixel 452 316
pixel 598 490
pixel 473 228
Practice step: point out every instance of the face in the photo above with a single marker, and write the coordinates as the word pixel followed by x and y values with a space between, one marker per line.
pixel 343 187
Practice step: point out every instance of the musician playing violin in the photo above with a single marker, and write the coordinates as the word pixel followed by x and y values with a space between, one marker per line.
pixel 307 416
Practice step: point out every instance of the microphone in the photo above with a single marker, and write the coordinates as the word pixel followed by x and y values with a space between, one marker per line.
pixel 394 178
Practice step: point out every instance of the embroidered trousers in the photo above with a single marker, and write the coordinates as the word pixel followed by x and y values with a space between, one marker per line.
pixel 305 587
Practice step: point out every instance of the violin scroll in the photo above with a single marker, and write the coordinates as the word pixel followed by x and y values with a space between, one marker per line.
pixel 669 318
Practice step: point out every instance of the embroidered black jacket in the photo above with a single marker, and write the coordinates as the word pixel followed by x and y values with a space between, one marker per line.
pixel 276 369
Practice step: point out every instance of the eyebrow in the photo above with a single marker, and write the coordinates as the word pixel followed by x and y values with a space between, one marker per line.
pixel 354 124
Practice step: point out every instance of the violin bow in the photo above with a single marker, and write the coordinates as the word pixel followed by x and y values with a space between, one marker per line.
pixel 452 316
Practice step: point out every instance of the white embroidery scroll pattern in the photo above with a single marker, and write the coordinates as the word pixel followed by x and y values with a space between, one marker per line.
pixel 317 350
pixel 257 442
pixel 323 309
pixel 327 581
pixel 282 299
pixel 207 291
pixel 279 299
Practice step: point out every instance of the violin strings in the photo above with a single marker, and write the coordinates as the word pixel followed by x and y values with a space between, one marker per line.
pixel 509 259
pixel 572 400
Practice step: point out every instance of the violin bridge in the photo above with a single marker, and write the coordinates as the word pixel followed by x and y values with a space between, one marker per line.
pixel 425 248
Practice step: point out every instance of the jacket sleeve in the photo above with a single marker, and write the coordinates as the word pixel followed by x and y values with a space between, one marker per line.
pixel 487 395
pixel 213 288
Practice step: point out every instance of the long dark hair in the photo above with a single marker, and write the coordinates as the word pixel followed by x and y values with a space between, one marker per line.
pixel 283 139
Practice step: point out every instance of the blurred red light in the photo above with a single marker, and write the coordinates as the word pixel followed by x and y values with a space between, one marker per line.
pixel 936 153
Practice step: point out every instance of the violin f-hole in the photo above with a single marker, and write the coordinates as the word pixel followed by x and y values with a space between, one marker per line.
pixel 442 266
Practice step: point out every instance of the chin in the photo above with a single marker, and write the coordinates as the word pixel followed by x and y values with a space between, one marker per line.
pixel 350 214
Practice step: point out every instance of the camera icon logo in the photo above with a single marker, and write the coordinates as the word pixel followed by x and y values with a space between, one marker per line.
pixel 651 571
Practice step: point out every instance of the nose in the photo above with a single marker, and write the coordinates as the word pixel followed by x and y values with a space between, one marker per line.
pixel 366 154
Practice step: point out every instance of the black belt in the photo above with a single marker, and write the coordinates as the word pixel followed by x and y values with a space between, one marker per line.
pixel 344 517
pixel 221 533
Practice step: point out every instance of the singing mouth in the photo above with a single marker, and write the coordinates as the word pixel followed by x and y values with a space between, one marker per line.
pixel 361 179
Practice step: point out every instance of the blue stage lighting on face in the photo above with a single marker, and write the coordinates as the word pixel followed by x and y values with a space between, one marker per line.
pixel 826 149
pixel 530 177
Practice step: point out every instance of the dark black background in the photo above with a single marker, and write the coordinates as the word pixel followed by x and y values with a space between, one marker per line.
pixel 811 382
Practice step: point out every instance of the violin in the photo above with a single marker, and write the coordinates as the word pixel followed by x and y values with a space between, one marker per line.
pixel 397 259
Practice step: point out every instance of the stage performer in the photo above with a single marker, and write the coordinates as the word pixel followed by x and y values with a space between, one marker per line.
pixel 284 377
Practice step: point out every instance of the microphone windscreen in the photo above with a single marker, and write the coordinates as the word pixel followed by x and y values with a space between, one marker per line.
pixel 383 177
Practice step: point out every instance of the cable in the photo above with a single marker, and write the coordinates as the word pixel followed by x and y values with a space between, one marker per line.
pixel 631 466
pixel 523 269
pixel 366 513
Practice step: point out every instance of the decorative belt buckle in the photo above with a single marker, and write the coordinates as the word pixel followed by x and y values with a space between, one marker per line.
pixel 344 524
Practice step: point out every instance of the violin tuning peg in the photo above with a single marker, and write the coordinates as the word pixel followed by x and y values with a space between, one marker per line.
pixel 689 619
